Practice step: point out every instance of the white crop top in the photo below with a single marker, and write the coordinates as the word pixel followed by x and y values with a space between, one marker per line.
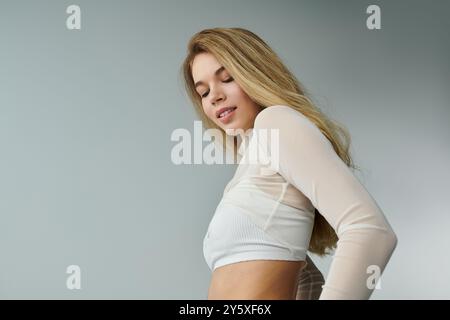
pixel 270 207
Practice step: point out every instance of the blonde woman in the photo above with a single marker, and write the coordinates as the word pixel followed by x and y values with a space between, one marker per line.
pixel 271 213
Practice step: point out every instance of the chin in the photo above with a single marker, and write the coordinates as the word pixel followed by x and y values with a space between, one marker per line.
pixel 230 127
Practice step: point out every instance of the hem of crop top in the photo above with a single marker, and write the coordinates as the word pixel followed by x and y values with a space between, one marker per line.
pixel 255 255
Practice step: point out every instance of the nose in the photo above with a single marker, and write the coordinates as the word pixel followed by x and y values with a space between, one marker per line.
pixel 216 96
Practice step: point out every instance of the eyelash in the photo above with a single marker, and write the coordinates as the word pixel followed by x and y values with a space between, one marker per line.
pixel 226 80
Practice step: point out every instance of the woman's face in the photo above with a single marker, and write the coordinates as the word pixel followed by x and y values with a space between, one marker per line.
pixel 218 90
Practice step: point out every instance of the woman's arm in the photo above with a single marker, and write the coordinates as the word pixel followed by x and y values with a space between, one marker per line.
pixel 310 282
pixel 308 161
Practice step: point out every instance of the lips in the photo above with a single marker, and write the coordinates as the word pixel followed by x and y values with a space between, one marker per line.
pixel 221 110
pixel 228 115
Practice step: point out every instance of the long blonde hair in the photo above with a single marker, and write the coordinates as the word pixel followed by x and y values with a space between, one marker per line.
pixel 264 78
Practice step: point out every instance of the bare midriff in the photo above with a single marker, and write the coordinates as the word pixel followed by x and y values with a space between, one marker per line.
pixel 256 280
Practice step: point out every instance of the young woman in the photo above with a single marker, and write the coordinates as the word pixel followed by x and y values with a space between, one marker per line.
pixel 272 212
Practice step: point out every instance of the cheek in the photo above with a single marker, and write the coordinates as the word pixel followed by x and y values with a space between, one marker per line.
pixel 208 111
pixel 236 92
pixel 240 97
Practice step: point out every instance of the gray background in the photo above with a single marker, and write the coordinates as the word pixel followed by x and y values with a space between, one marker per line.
pixel 86 116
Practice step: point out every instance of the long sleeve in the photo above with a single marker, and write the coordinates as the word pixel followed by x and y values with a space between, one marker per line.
pixel 307 160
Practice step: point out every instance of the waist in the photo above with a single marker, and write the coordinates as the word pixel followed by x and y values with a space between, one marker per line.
pixel 259 279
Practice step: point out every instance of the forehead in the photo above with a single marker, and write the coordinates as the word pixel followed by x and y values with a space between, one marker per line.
pixel 203 66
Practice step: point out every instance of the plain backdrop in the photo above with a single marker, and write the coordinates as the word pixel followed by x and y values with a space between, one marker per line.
pixel 86 176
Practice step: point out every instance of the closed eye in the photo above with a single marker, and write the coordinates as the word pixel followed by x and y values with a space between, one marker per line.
pixel 226 81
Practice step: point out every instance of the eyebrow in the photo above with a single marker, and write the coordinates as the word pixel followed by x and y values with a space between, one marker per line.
pixel 198 83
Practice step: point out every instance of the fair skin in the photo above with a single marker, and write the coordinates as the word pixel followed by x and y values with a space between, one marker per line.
pixel 256 279
pixel 217 91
